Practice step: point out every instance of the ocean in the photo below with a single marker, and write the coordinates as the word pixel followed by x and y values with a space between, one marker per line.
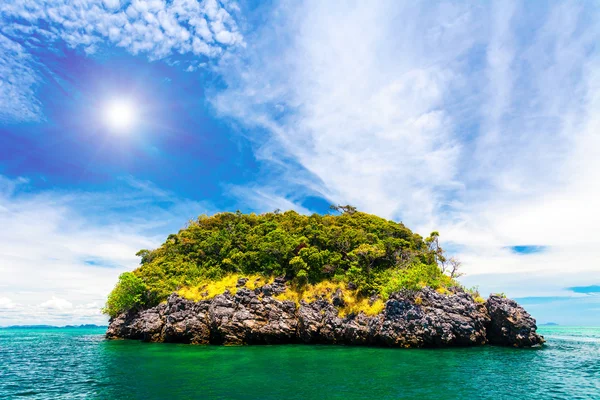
pixel 80 364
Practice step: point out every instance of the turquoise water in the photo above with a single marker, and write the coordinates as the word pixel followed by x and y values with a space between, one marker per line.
pixel 80 364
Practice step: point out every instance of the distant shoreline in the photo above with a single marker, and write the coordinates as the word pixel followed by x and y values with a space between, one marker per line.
pixel 85 326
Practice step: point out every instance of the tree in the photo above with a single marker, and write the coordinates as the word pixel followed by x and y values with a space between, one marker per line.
pixel 146 256
pixel 454 268
pixel 433 244
pixel 298 264
pixel 350 246
pixel 128 294
pixel 347 209
pixel 450 265
pixel 369 254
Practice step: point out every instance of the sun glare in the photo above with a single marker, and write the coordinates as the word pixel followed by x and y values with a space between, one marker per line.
pixel 120 115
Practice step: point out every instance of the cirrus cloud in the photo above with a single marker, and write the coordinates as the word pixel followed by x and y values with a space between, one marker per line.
pixel 477 120
pixel 159 29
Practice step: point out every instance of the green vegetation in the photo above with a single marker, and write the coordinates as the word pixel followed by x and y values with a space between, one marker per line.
pixel 354 301
pixel 474 292
pixel 376 255
pixel 129 293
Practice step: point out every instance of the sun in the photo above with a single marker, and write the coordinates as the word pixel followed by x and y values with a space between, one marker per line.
pixel 120 115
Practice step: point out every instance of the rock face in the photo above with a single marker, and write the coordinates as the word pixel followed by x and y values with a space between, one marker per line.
pixel 422 319
pixel 510 324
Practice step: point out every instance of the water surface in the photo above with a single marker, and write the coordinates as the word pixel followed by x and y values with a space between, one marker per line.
pixel 79 363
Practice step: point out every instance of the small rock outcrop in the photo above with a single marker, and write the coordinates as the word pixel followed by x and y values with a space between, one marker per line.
pixel 422 319
pixel 510 324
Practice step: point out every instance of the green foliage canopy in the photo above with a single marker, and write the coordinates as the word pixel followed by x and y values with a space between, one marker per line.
pixel 129 293
pixel 375 254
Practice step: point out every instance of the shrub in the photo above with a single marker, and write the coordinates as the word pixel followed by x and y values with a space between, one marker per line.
pixel 353 301
pixel 302 277
pixel 415 277
pixel 442 290
pixel 128 294
pixel 208 289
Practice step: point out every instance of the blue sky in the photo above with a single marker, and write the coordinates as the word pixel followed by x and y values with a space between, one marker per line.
pixel 479 120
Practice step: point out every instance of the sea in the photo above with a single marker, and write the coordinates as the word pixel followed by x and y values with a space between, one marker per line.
pixel 78 363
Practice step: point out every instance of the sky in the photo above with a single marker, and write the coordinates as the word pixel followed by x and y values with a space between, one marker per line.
pixel 476 119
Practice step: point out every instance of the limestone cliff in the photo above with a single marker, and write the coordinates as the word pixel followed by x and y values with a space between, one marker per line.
pixel 423 318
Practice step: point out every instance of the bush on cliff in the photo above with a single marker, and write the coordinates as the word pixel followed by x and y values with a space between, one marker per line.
pixel 129 293
pixel 376 255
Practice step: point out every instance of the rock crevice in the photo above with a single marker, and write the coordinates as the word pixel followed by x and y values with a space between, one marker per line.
pixel 256 317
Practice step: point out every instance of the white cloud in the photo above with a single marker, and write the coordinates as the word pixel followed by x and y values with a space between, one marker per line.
pixel 18 83
pixel 55 311
pixel 265 201
pixel 6 303
pixel 56 303
pixel 370 125
pixel 480 122
pixel 112 4
pixel 158 29
pixel 134 25
pixel 61 252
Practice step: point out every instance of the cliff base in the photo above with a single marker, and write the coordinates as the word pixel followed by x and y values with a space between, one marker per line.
pixel 424 318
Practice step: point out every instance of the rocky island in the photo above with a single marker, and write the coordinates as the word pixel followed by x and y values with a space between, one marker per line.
pixel 277 278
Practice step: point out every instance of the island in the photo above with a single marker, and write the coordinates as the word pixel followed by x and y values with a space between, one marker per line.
pixel 346 278
pixel 41 327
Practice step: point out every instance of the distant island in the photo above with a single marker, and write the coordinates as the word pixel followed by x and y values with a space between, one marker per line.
pixel 85 326
pixel 549 324
pixel 350 278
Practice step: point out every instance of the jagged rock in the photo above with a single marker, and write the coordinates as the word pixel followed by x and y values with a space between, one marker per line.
pixel 373 299
pixel 277 287
pixel 117 326
pixel 337 299
pixel 186 321
pixel 246 319
pixel 510 324
pixel 420 319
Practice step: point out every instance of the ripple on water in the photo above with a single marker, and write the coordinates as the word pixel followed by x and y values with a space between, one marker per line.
pixel 79 363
